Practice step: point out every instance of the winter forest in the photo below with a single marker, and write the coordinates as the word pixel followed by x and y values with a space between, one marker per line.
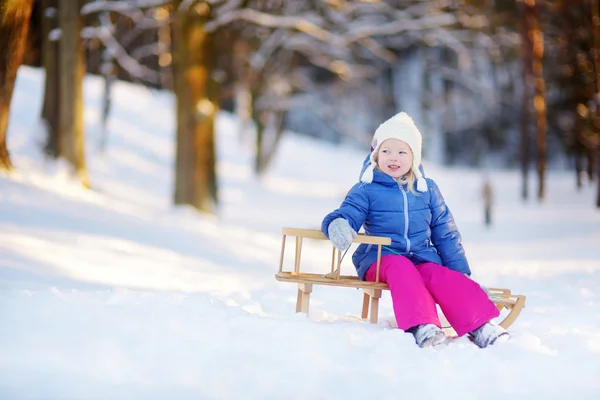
pixel 502 83
pixel 151 151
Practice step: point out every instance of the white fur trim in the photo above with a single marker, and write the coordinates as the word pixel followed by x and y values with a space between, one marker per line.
pixel 421 182
pixel 421 185
pixel 367 176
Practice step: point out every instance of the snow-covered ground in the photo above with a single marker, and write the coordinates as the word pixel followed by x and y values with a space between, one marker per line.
pixel 114 293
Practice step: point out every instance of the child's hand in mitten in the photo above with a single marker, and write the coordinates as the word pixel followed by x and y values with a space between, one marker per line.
pixel 341 233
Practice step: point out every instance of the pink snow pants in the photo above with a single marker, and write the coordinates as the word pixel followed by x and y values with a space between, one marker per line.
pixel 416 289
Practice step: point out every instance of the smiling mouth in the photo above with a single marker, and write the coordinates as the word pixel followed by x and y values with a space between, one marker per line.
pixel 393 167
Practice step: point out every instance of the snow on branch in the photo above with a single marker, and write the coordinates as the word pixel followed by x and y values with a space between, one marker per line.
pixel 228 5
pixel 151 49
pixel 399 26
pixel 378 50
pixel 143 15
pixel 124 6
pixel 450 41
pixel 114 48
pixel 361 30
pixel 271 21
pixel 267 48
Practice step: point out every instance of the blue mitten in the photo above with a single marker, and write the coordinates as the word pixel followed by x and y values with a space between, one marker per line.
pixel 341 233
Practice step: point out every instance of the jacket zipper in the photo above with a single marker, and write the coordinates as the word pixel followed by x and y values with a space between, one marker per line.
pixel 405 218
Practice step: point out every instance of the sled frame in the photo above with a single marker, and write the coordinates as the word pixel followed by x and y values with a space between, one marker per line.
pixel 372 291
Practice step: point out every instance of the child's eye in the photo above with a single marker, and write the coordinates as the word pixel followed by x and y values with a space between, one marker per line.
pixel 385 151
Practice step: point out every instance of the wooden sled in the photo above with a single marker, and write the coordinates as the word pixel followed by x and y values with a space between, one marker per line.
pixel 502 298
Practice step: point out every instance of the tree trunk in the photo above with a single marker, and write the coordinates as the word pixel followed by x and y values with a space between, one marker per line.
pixel 51 87
pixel 260 122
pixel 598 179
pixel 109 79
pixel 434 108
pixel 243 109
pixel 197 104
pixel 526 104
pixel 72 69
pixel 14 24
pixel 579 168
pixel 267 151
pixel 595 11
pixel 243 87
pixel 539 101
pixel 107 69
pixel 591 164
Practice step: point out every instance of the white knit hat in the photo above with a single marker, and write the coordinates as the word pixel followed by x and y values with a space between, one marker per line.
pixel 400 127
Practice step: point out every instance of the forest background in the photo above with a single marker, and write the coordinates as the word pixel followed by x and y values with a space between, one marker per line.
pixel 502 83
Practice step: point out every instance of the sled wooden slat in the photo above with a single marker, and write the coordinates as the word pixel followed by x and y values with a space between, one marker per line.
pixel 502 298
pixel 320 279
pixel 505 302
pixel 317 234
pixel 515 304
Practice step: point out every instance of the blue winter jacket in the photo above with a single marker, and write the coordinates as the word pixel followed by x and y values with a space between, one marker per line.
pixel 420 224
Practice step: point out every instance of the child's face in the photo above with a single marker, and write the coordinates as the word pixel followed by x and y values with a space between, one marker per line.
pixel 394 158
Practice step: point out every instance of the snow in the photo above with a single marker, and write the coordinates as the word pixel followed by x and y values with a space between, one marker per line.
pixel 114 293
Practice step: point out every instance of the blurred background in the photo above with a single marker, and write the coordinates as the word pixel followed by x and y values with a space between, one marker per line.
pixel 491 83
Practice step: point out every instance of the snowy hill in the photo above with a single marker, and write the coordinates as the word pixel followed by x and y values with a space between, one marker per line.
pixel 114 293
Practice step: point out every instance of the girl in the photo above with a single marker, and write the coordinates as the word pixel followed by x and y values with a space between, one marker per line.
pixel 426 262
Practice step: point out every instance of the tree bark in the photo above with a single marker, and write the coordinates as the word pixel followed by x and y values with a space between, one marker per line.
pixel 72 69
pixel 51 87
pixel 539 101
pixel 598 179
pixel 109 80
pixel 579 168
pixel 526 104
pixel 197 104
pixel 270 122
pixel 591 164
pixel 595 11
pixel 260 122
pixel 14 24
pixel 243 87
pixel 279 119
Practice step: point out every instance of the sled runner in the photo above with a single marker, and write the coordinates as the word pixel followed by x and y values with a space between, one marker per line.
pixel 502 298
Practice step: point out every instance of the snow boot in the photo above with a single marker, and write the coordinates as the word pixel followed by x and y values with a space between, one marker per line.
pixel 488 334
pixel 427 335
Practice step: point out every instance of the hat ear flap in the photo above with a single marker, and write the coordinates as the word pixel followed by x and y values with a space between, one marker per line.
pixel 421 185
pixel 367 175
pixel 421 182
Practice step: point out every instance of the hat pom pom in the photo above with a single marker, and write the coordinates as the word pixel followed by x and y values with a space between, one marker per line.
pixel 367 176
pixel 421 185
